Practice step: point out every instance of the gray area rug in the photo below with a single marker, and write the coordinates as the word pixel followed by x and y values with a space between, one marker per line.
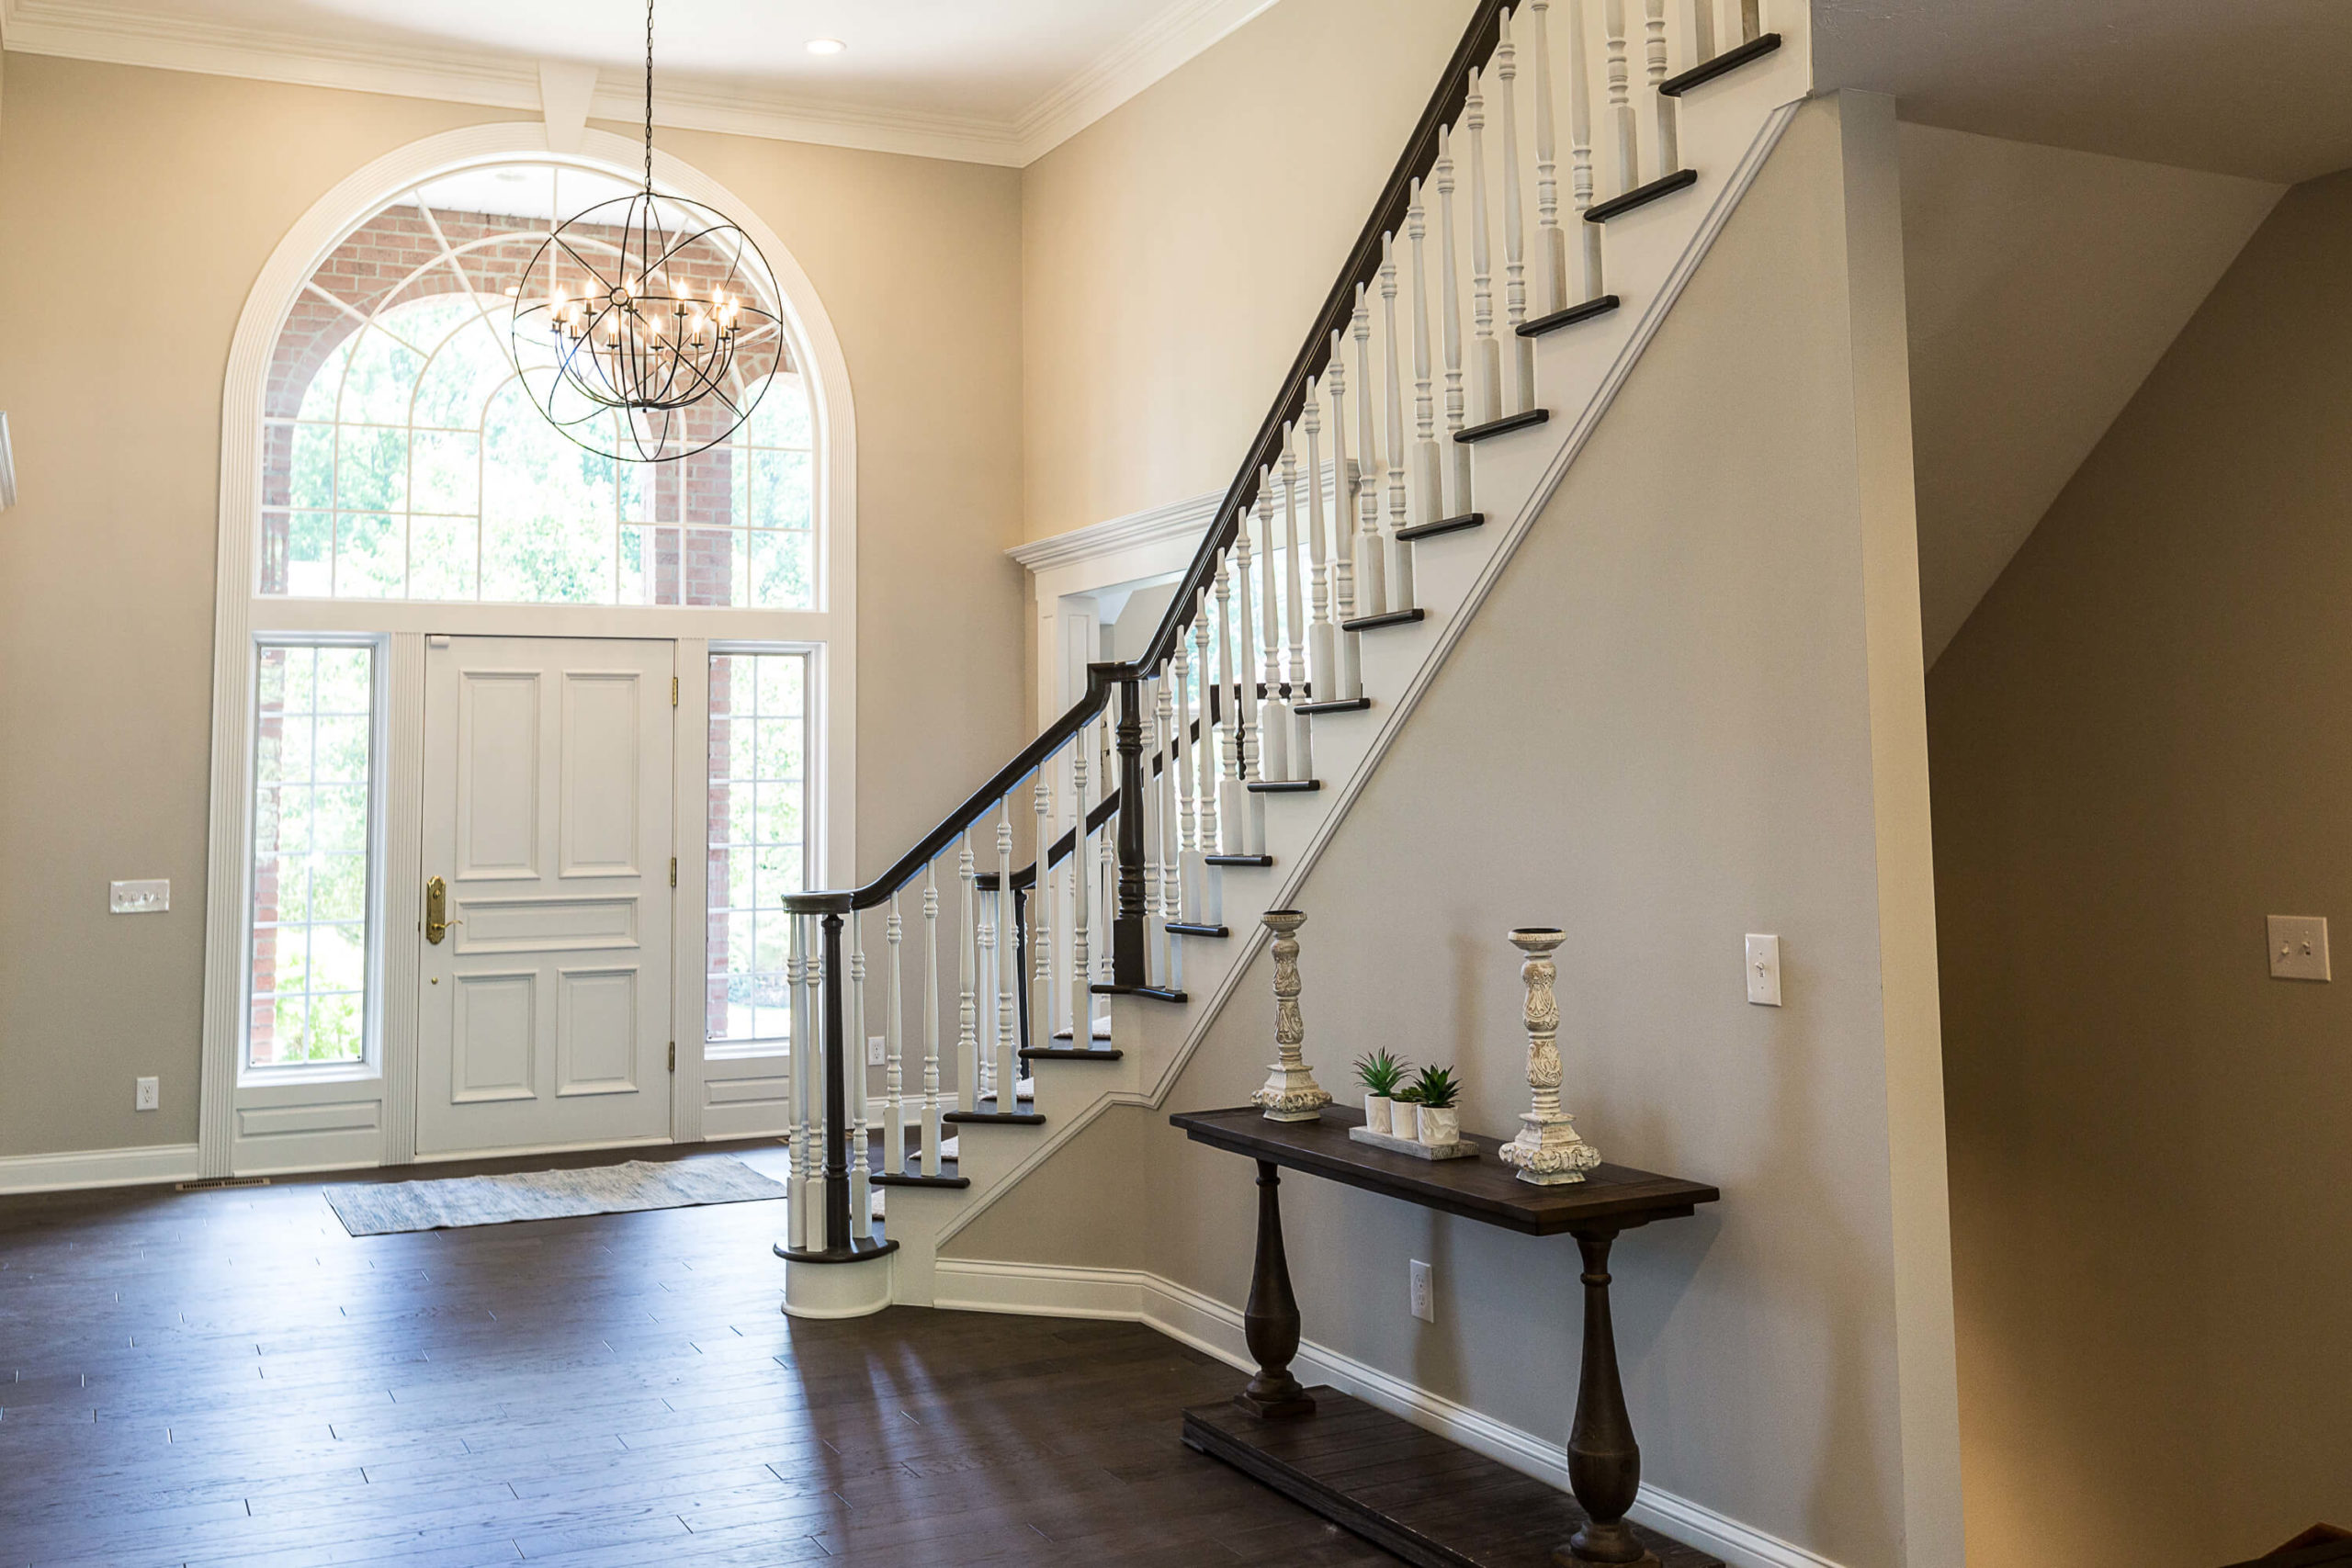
pixel 386 1208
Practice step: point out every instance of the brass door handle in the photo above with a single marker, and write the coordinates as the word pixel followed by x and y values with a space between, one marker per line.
pixel 437 911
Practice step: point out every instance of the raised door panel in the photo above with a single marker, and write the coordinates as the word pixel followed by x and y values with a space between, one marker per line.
pixel 498 775
pixel 603 759
pixel 597 1027
pixel 494 1037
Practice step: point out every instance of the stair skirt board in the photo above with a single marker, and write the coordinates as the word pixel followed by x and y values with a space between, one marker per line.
pixel 1131 1295
pixel 1153 1091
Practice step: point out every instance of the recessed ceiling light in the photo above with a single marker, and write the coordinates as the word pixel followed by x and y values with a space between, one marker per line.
pixel 826 46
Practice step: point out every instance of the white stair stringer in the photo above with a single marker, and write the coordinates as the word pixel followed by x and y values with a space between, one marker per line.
pixel 1653 252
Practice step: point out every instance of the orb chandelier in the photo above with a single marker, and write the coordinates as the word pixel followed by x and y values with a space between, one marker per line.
pixel 644 326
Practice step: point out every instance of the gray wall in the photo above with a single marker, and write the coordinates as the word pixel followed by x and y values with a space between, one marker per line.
pixel 2140 749
pixel 1691 710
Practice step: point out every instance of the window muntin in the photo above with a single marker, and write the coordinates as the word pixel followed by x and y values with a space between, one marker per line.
pixel 402 457
pixel 758 842
pixel 313 771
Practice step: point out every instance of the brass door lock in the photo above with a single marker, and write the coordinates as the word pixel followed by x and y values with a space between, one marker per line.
pixel 437 911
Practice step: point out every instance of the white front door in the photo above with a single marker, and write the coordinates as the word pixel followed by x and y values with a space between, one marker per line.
pixel 546 1000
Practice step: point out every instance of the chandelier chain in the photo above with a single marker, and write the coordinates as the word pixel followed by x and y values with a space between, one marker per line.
pixel 649 97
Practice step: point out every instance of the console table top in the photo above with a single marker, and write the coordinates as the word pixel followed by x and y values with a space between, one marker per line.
pixel 1611 1198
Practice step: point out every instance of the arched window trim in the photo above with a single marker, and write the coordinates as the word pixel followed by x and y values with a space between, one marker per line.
pixel 382 1092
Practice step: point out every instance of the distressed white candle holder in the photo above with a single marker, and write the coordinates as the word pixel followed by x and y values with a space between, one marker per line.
pixel 1291 1093
pixel 1547 1151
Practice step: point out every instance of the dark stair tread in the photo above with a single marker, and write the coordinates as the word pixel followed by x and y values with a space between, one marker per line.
pixel 1641 196
pixel 1069 1054
pixel 1237 859
pixel 1445 524
pixel 913 1177
pixel 1190 931
pixel 1149 993
pixel 1503 426
pixel 1584 311
pixel 1016 1119
pixel 1336 705
pixel 1284 786
pixel 1723 64
pixel 1390 618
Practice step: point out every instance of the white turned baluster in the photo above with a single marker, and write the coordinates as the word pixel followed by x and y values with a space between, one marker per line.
pixel 894 1083
pixel 967 1016
pixel 1751 20
pixel 1272 725
pixel 1348 683
pixel 1429 484
pixel 1620 102
pixel 1550 241
pixel 1486 354
pixel 1040 979
pixel 798 1199
pixel 1302 734
pixel 1399 596
pixel 1081 884
pixel 1205 894
pixel 1147 702
pixel 1184 750
pixel 1669 144
pixel 1460 502
pixel 1522 386
pixel 1168 767
pixel 861 1088
pixel 1007 969
pixel 984 939
pixel 1580 146
pixel 1371 569
pixel 1699 23
pixel 1248 737
pixel 1322 636
pixel 1232 812
pixel 928 1134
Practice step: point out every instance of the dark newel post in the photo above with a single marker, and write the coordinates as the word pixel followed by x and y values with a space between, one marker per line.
pixel 1127 927
pixel 1021 957
pixel 1604 1462
pixel 836 1097
pixel 1269 1323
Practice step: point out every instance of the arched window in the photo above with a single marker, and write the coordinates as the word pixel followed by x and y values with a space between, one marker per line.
pixel 402 457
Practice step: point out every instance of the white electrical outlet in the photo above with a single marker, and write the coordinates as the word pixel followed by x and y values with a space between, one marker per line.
pixel 1424 1297
pixel 1764 970
pixel 2299 947
pixel 139 897
pixel 878 1050
pixel 151 1094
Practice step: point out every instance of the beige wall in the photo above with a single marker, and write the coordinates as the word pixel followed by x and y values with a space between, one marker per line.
pixel 1687 712
pixel 1175 250
pixel 136 209
pixel 2141 750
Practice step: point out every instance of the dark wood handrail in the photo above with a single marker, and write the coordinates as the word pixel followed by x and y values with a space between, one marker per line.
pixel 1363 267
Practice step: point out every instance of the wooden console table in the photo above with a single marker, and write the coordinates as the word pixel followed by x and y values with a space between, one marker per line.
pixel 1429 1501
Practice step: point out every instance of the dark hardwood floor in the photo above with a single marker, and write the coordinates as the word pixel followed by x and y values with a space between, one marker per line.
pixel 226 1378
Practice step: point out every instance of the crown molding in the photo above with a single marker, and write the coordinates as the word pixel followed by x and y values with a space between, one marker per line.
pixel 109 36
pixel 1186 519
pixel 1184 31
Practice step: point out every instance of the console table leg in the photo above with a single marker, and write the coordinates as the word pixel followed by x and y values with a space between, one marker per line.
pixel 1269 1323
pixel 1604 1462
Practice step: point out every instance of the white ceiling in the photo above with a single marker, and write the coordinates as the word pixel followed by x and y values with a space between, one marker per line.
pixel 997 81
pixel 2251 87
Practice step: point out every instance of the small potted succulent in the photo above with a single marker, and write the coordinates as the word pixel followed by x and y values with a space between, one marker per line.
pixel 1437 1092
pixel 1404 1111
pixel 1380 1074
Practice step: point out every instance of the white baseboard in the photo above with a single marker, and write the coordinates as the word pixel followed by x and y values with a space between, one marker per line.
pixel 1212 1327
pixel 100 1168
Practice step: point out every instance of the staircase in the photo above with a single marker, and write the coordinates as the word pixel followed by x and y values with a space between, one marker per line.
pixel 1563 185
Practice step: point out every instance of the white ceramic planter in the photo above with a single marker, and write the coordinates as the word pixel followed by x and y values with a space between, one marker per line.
pixel 1375 1112
pixel 1439 1125
pixel 1403 1118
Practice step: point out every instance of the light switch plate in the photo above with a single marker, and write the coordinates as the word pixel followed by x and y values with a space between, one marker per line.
pixel 878 1050
pixel 2299 947
pixel 1424 1293
pixel 150 1095
pixel 1764 970
pixel 139 897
